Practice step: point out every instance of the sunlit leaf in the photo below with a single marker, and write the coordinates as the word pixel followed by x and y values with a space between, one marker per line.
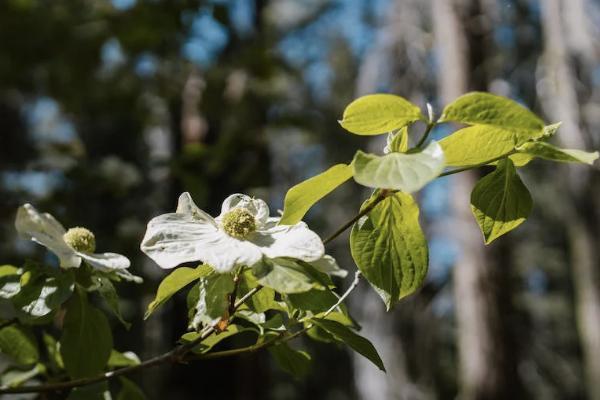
pixel 500 201
pixel 174 282
pixel 379 113
pixel 390 249
pixel 405 172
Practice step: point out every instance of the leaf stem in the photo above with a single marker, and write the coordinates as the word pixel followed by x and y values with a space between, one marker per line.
pixel 469 167
pixel 430 125
pixel 380 197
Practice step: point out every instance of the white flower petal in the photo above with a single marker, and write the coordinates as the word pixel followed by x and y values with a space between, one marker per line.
pixel 295 241
pixel 185 205
pixel 329 266
pixel 106 261
pixel 173 239
pixel 47 231
pixel 257 207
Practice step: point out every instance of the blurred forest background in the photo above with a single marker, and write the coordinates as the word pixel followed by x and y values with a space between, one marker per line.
pixel 109 109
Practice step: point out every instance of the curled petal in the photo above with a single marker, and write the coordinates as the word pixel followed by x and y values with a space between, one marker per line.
pixel 295 241
pixel 328 265
pixel 173 239
pixel 106 261
pixel 257 207
pixel 47 231
pixel 185 205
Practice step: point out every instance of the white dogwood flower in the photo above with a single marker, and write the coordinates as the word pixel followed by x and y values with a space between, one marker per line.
pixel 241 235
pixel 70 246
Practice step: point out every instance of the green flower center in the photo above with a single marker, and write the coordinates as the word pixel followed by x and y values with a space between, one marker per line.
pixel 238 223
pixel 80 239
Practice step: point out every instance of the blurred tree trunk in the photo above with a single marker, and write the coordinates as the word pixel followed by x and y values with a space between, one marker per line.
pixel 159 141
pixel 482 297
pixel 388 64
pixel 566 28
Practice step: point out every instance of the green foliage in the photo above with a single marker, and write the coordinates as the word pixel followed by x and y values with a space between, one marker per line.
pixel 109 294
pixel 264 299
pixel 549 152
pixel 379 113
pixel 356 342
pixel 97 391
pixel 285 275
pixel 43 294
pixel 389 248
pixel 19 344
pixel 85 327
pixel 479 108
pixel 130 391
pixel 478 144
pixel 174 282
pixel 500 201
pixel 214 339
pixel 294 362
pixel 405 172
pixel 286 297
pixel 213 299
pixel 300 198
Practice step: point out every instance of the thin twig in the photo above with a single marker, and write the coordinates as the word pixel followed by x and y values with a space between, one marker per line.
pixel 380 197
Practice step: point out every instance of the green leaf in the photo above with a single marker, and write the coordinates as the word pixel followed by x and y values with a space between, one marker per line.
pixel 405 172
pixel 550 130
pixel 19 344
pixel 109 294
pixel 174 282
pixel 379 113
pixel 86 341
pixel 261 301
pixel 213 299
pixel 285 276
pixel 43 294
pixel 96 391
pixel 214 339
pixel 313 300
pixel 53 350
pixel 549 152
pixel 390 249
pixel 479 144
pixel 294 362
pixel 397 142
pixel 479 108
pixel 126 359
pixel 500 201
pixel 130 391
pixel 8 270
pixel 13 377
pixel 300 198
pixel 356 342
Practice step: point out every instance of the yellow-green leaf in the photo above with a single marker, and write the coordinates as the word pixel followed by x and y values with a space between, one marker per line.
pixel 174 282
pixel 500 201
pixel 390 249
pixel 549 152
pixel 399 171
pixel 300 198
pixel 478 108
pixel 375 114
pixel 478 144
pixel 19 344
